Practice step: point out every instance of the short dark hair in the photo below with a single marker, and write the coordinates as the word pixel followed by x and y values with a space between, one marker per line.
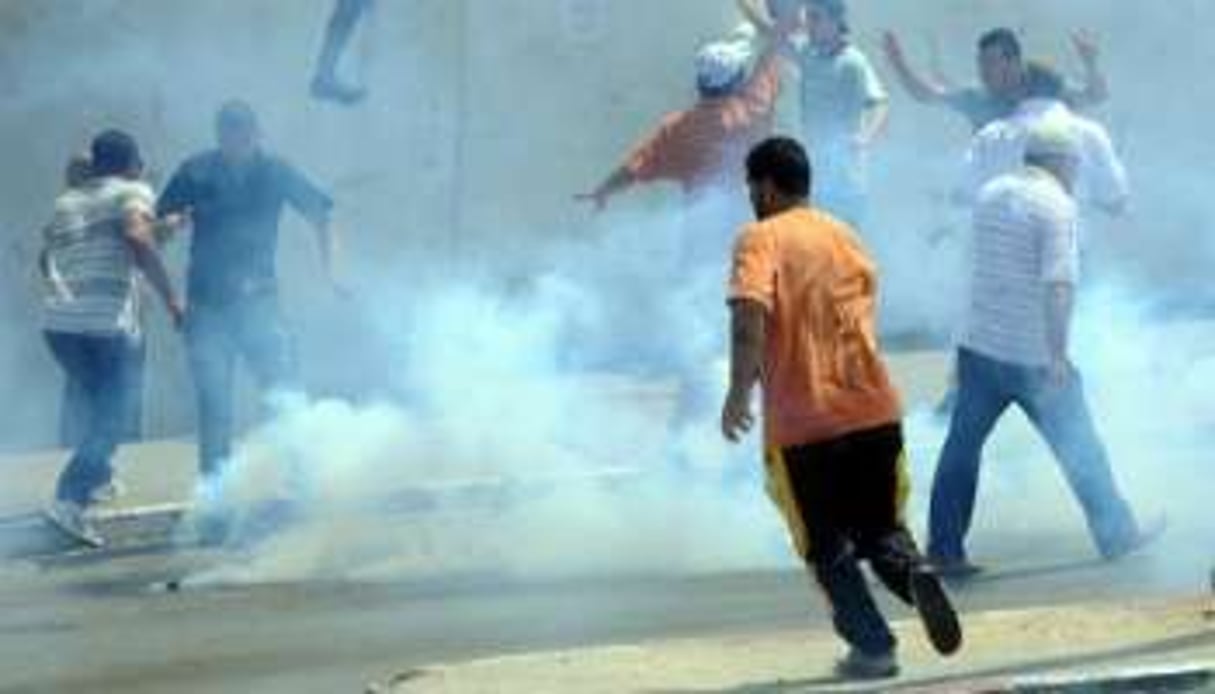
pixel 837 10
pixel 236 114
pixel 1043 80
pixel 783 161
pixel 1004 39
pixel 114 152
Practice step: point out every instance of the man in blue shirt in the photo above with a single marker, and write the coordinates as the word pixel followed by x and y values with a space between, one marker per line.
pixel 235 196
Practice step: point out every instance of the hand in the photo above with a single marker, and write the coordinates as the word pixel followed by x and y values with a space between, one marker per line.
pixel 169 225
pixel 892 47
pixel 1058 373
pixel 1085 43
pixel 597 199
pixel 736 416
pixel 177 312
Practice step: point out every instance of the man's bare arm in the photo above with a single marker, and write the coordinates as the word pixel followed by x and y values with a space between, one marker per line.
pixel 874 120
pixel 921 88
pixel 748 328
pixel 1059 300
pixel 1096 87
pixel 138 228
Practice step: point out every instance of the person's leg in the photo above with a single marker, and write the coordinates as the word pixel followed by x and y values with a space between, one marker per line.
pixel 212 358
pixel 980 403
pixel 338 32
pixel 99 365
pixel 876 487
pixel 266 344
pixel 801 482
pixel 132 428
pixel 73 412
pixel 1061 414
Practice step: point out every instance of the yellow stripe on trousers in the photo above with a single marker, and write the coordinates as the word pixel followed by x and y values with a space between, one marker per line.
pixel 779 484
pixel 780 489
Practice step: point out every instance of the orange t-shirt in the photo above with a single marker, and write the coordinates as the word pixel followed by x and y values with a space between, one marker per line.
pixel 823 376
pixel 708 143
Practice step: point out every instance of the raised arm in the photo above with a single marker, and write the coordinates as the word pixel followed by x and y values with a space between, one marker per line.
pixel 1096 88
pixel 923 89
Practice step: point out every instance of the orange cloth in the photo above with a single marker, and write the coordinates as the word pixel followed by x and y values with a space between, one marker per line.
pixel 823 375
pixel 708 143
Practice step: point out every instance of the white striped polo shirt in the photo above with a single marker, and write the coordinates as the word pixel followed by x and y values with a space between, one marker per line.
pixel 1025 238
pixel 95 288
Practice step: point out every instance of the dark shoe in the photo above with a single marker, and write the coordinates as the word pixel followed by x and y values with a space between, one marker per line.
pixel 859 666
pixel 328 88
pixel 1144 536
pixel 951 570
pixel 936 612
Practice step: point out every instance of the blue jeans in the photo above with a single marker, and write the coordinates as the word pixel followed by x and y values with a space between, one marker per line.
pixel 986 388
pixel 216 334
pixel 100 367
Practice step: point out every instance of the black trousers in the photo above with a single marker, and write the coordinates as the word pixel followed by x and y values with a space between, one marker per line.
pixel 843 500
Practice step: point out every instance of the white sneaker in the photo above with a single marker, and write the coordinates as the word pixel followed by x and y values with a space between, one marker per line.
pixel 108 493
pixel 69 517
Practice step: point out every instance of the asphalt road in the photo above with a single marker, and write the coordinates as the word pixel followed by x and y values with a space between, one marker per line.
pixel 114 627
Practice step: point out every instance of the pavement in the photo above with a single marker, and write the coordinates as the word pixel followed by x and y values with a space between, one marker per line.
pixel 1005 650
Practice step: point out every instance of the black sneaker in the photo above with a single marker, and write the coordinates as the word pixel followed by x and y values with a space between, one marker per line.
pixel 859 666
pixel 1144 536
pixel 936 612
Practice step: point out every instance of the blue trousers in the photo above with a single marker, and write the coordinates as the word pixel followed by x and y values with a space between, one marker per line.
pixel 100 367
pixel 252 328
pixel 986 388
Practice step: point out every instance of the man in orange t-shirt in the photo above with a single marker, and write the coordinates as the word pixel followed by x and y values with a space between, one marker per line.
pixel 701 149
pixel 802 296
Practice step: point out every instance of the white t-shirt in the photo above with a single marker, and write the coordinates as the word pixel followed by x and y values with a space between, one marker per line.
pixel 999 148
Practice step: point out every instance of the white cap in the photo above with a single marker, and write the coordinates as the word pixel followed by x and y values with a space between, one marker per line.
pixel 720 65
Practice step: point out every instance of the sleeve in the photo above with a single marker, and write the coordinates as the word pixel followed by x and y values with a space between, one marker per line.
pixel 1060 246
pixel 1105 177
pixel 305 196
pixel 869 85
pixel 650 159
pixel 975 173
pixel 138 198
pixel 178 194
pixel 753 271
pixel 764 86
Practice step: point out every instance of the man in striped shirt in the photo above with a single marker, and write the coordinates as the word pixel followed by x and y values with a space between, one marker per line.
pixel 100 238
pixel 1014 350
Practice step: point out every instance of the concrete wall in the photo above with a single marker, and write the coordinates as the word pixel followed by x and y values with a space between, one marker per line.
pixel 486 116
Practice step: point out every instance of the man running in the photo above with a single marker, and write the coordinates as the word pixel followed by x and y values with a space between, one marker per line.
pixel 235 195
pixel 802 300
